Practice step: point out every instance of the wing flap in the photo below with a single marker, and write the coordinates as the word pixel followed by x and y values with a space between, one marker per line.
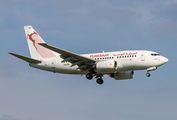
pixel 27 59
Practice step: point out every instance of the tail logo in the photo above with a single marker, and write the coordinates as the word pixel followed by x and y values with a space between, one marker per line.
pixel 44 52
pixel 30 38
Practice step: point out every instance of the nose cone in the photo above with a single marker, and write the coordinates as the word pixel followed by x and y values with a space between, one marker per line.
pixel 164 60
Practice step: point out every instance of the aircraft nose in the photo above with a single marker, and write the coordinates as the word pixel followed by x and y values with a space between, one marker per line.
pixel 165 60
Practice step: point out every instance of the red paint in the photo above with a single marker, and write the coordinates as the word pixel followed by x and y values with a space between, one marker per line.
pixel 30 38
pixel 125 54
pixel 100 55
pixel 155 59
pixel 44 52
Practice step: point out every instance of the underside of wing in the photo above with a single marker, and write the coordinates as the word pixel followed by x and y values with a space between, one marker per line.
pixel 27 59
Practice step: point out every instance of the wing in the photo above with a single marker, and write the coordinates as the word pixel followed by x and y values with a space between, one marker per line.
pixel 29 60
pixel 84 63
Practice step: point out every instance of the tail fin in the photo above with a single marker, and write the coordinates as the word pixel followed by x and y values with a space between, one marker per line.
pixel 36 51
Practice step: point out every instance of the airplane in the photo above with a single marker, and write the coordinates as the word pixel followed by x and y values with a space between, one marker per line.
pixel 119 65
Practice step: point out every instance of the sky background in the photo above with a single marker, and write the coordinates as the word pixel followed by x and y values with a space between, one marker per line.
pixel 88 26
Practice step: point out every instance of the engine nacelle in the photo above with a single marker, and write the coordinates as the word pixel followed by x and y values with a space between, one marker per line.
pixel 106 66
pixel 123 75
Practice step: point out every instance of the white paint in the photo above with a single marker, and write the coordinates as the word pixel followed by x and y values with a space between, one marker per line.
pixel 101 63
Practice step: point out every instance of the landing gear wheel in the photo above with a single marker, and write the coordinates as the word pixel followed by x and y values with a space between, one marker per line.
pixel 89 76
pixel 148 74
pixel 99 81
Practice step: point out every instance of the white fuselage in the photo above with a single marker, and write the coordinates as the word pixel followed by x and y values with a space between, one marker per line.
pixel 119 65
pixel 126 61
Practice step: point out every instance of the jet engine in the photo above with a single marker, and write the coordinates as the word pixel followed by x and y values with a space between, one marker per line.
pixel 106 66
pixel 123 75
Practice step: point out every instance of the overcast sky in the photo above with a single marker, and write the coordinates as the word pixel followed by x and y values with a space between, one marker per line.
pixel 88 26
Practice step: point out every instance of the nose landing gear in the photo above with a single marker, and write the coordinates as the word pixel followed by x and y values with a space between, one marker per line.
pixel 150 69
pixel 148 74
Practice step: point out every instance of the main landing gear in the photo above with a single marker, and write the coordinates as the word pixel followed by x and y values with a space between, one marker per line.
pixel 90 76
pixel 99 81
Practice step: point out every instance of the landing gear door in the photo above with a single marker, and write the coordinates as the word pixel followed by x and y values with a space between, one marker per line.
pixel 142 56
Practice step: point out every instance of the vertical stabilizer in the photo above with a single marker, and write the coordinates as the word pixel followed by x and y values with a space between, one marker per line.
pixel 36 51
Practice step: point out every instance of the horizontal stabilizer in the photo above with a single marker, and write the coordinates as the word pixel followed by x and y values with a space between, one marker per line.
pixel 27 59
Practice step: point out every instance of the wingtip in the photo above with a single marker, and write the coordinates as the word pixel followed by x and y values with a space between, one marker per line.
pixel 10 53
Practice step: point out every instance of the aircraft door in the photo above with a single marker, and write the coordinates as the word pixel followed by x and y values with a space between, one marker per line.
pixel 142 56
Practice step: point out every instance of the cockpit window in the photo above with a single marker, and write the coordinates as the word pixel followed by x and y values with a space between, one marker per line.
pixel 155 54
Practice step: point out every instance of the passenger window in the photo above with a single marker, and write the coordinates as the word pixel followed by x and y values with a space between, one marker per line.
pixel 127 56
pixel 122 56
pixel 132 55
